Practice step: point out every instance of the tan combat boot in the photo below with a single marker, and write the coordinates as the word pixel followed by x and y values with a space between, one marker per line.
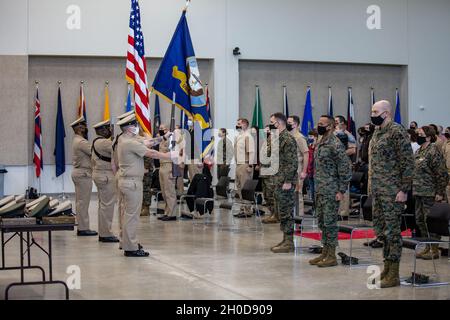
pixel 284 238
pixel 392 279
pixel 145 212
pixel 424 252
pixel 433 253
pixel 286 246
pixel 321 257
pixel 330 260
pixel 385 271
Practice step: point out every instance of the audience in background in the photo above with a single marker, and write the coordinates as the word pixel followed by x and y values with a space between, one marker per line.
pixel 413 138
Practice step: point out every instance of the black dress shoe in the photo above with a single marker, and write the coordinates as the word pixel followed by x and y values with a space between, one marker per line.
pixel 139 246
pixel 377 244
pixel 136 253
pixel 108 239
pixel 86 233
pixel 161 217
pixel 169 218
pixel 187 217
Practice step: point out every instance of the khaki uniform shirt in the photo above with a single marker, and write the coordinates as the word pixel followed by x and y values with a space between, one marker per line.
pixel 103 147
pixel 131 152
pixel 81 154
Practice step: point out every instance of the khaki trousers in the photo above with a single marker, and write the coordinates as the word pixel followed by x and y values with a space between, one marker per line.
pixel 83 188
pixel 242 176
pixel 299 193
pixel 120 208
pixel 106 187
pixel 168 188
pixel 131 190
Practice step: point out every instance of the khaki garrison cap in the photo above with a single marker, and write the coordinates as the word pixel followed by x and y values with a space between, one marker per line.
pixel 102 124
pixel 130 120
pixel 124 115
pixel 78 121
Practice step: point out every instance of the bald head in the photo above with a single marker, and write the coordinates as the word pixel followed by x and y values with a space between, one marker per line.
pixel 382 106
pixel 383 111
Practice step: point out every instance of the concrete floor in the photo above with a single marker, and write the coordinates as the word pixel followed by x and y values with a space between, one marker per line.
pixel 189 262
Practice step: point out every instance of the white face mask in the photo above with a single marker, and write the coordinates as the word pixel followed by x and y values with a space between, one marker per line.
pixel 135 130
pixel 189 123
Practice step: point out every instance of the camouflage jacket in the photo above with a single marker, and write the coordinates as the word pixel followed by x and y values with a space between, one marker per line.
pixel 333 167
pixel 430 172
pixel 287 159
pixel 391 161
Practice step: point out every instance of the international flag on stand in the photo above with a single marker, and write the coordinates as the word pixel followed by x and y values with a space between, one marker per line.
pixel 351 127
pixel 128 105
pixel 82 103
pixel 60 135
pixel 156 117
pixel 330 103
pixel 136 69
pixel 179 76
pixel 106 114
pixel 372 98
pixel 257 119
pixel 37 157
pixel 308 121
pixel 285 102
pixel 398 116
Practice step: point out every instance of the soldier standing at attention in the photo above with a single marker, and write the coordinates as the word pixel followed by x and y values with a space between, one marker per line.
pixel 303 157
pixel 391 167
pixel 429 182
pixel 104 179
pixel 333 174
pixel 244 153
pixel 284 182
pixel 131 151
pixel 82 175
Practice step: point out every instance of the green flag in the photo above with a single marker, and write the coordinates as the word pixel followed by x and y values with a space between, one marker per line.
pixel 257 112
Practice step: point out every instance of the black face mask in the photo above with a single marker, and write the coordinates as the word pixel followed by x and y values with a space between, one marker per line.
pixel 378 121
pixel 421 140
pixel 238 128
pixel 289 127
pixel 413 128
pixel 321 130
pixel 272 127
pixel 447 135
pixel 161 133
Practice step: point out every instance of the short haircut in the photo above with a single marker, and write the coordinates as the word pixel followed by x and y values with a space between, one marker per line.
pixel 414 123
pixel 279 116
pixel 413 135
pixel 429 132
pixel 296 119
pixel 223 130
pixel 341 119
pixel 434 127
pixel 244 120
pixel 330 118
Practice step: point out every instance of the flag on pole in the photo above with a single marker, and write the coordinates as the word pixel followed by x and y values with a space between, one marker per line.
pixel 37 158
pixel 136 69
pixel 106 114
pixel 128 105
pixel 183 120
pixel 156 117
pixel 330 103
pixel 372 98
pixel 257 119
pixel 179 75
pixel 285 102
pixel 60 135
pixel 308 121
pixel 351 127
pixel 82 103
pixel 398 116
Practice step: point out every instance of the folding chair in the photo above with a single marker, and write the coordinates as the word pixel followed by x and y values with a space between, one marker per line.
pixel 438 222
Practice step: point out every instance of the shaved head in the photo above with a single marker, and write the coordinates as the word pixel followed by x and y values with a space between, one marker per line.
pixel 382 106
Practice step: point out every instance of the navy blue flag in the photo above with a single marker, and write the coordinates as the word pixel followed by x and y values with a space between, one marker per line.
pixel 398 116
pixel 330 103
pixel 179 76
pixel 308 121
pixel 156 117
pixel 351 127
pixel 285 103
pixel 60 135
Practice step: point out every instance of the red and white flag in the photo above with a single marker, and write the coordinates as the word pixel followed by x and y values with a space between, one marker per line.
pixel 37 153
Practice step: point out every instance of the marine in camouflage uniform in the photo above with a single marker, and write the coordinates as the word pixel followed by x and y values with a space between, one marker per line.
pixel 287 173
pixel 147 185
pixel 391 166
pixel 430 179
pixel 333 174
pixel 267 182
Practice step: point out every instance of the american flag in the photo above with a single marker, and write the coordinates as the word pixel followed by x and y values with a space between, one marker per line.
pixel 136 69
pixel 37 158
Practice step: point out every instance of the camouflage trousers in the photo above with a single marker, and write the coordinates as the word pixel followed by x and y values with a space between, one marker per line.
pixel 285 202
pixel 268 191
pixel 327 209
pixel 423 208
pixel 387 224
pixel 147 182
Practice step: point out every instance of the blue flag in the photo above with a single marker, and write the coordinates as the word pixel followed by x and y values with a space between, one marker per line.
pixel 398 116
pixel 156 117
pixel 179 75
pixel 128 106
pixel 60 160
pixel 330 103
pixel 308 122
pixel 285 103
pixel 351 126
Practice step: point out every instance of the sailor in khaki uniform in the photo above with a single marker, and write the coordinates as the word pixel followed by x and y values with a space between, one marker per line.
pixel 104 179
pixel 166 180
pixel 131 150
pixel 82 175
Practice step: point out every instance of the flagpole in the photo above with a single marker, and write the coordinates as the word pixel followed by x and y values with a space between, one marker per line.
pixel 63 195
pixel 284 100
pixel 187 5
pixel 36 82
pixel 257 103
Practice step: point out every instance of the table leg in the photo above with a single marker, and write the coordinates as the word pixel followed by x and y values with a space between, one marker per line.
pixel 28 249
pixel 3 249
pixel 21 258
pixel 50 269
